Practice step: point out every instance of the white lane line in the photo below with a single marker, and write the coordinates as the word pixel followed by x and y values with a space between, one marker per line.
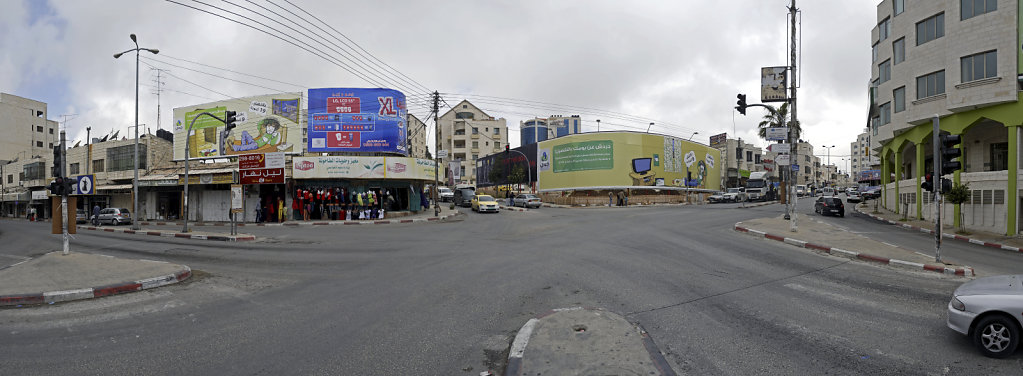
pixel 522 339
pixel 889 244
pixel 923 254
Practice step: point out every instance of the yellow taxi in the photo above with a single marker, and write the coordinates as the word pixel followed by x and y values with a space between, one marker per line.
pixel 484 203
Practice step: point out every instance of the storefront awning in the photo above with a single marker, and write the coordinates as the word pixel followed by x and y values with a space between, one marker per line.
pixel 113 187
pixel 23 196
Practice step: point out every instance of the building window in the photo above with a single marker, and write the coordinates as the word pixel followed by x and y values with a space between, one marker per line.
pixel 97 165
pixel 749 155
pixel 39 128
pixel 886 113
pixel 497 144
pixel 884 71
pixel 899 51
pixel 33 171
pixel 873 53
pixel 884 29
pixel 464 115
pixel 51 130
pixel 900 99
pixel 21 176
pixel 122 158
pixel 39 144
pixel 999 156
pixel 475 144
pixel 930 85
pixel 475 157
pixel 497 130
pixel 10 179
pixel 465 106
pixel 980 66
pixel 930 29
pixel 757 159
pixel 74 169
pixel 873 87
pixel 898 6
pixel 972 8
pixel 873 124
pixel 475 130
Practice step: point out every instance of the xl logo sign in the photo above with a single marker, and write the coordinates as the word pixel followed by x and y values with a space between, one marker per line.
pixel 387 106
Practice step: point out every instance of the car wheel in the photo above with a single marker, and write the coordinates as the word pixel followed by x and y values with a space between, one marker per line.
pixel 113 221
pixel 996 336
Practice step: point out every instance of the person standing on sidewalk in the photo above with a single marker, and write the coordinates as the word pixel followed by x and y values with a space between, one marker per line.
pixel 95 215
pixel 610 198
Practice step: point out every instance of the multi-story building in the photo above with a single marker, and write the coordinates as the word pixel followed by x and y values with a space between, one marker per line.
pixel 739 159
pixel 112 164
pixel 956 60
pixel 468 133
pixel 541 129
pixel 27 131
pixel 416 137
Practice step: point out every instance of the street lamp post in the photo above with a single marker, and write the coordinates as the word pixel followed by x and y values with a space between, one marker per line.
pixel 135 181
pixel 828 178
pixel 694 133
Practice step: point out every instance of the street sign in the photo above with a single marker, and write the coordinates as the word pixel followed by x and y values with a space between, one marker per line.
pixel 237 202
pixel 262 176
pixel 795 168
pixel 777 134
pixel 782 159
pixel 780 148
pixel 442 154
pixel 85 185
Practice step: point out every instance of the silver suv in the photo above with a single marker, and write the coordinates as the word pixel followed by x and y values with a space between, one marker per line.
pixel 114 216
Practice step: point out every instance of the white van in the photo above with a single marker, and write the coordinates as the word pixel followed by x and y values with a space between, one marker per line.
pixel 827 192
pixel 801 190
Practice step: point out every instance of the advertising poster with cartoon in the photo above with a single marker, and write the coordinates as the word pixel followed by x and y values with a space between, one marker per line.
pixel 264 125
pixel 618 159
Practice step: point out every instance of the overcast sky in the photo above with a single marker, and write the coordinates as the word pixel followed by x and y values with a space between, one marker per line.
pixel 679 63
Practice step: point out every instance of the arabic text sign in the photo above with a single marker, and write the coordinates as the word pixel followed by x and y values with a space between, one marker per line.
pixel 777 133
pixel 256 161
pixel 782 159
pixel 262 176
pixel 586 155
pixel 363 167
pixel 357 120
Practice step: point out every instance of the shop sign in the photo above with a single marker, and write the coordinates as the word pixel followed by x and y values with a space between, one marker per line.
pixel 258 161
pixel 237 199
pixel 39 195
pixel 363 168
pixel 221 178
pixel 262 176
pixel 160 183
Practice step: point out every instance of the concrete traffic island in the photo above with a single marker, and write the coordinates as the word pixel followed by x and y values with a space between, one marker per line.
pixel 584 341
pixel 55 277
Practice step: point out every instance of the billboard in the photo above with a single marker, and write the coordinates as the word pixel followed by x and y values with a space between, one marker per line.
pixel 619 159
pixel 352 167
pixel 265 123
pixel 357 120
pixel 718 139
pixel 773 84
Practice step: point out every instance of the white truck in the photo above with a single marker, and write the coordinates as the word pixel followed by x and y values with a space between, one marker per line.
pixel 757 186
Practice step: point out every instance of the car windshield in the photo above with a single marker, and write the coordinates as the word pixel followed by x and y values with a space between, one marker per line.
pixel 485 198
pixel 755 184
pixel 443 190
pixel 733 190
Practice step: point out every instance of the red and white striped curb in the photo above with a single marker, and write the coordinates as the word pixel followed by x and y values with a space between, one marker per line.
pixel 95 292
pixel 965 271
pixel 944 234
pixel 760 204
pixel 311 223
pixel 512 208
pixel 171 234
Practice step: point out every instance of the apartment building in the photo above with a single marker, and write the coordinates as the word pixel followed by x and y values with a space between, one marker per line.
pixel 468 133
pixel 957 59
pixel 540 129
pixel 416 137
pixel 27 131
pixel 739 159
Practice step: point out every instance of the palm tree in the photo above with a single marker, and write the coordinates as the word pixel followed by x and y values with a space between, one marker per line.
pixel 778 118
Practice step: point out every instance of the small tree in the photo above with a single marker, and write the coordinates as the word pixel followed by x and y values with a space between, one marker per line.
pixel 518 175
pixel 959 194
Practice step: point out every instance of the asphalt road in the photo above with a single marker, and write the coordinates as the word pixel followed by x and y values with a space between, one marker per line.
pixel 446 298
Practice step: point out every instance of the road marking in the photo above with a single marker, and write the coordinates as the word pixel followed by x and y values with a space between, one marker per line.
pixel 890 244
pixel 923 254
pixel 522 339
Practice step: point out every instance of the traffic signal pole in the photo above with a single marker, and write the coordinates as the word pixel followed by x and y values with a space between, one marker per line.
pixel 64 193
pixel 793 175
pixel 935 186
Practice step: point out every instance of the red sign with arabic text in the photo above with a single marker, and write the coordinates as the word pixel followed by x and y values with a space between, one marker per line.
pixel 262 176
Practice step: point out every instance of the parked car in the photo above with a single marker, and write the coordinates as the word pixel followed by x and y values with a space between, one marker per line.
pixel 853 196
pixel 484 203
pixel 114 216
pixel 717 197
pixel 81 216
pixel 829 205
pixel 987 310
pixel 871 194
pixel 735 195
pixel 446 194
pixel 526 200
pixel 463 197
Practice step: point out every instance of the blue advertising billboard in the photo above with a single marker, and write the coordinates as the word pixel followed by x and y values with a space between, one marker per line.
pixel 357 120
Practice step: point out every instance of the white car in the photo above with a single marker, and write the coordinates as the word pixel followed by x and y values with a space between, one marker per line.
pixel 988 310
pixel 735 195
pixel 446 194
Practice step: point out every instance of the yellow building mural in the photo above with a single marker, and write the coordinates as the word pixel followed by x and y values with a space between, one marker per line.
pixel 626 159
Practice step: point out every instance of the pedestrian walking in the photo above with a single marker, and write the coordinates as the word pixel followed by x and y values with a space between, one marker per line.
pixel 95 215
pixel 610 199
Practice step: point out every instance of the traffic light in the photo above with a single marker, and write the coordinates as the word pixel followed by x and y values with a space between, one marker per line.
pixel 230 117
pixel 55 171
pixel 928 184
pixel 506 150
pixel 57 187
pixel 950 153
pixel 946 185
pixel 741 103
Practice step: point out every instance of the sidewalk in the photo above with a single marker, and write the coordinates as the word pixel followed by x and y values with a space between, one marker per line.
pixel 823 237
pixel 584 341
pixel 55 277
pixel 948 231
pixel 423 216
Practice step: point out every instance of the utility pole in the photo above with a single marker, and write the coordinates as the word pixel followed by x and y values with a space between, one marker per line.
pixel 936 140
pixel 63 196
pixel 436 154
pixel 793 175
pixel 159 88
